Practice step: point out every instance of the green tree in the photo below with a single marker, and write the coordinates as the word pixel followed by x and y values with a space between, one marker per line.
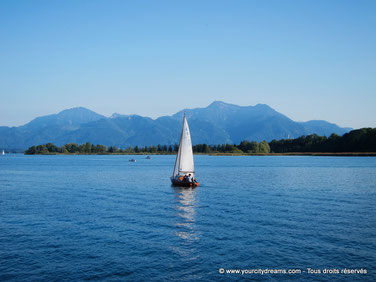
pixel 82 148
pixel 245 146
pixel 51 148
pixel 72 148
pixel 88 147
pixel 100 149
pixel 264 147
pixel 31 151
pixel 205 148
pixel 41 149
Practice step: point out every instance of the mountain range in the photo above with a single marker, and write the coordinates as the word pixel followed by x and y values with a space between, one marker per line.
pixel 218 123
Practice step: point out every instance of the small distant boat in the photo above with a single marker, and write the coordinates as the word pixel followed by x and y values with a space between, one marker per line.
pixel 184 169
pixel 132 160
pixel 148 158
pixel 3 153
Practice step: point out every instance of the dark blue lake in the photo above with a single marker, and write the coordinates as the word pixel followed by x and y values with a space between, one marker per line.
pixel 105 218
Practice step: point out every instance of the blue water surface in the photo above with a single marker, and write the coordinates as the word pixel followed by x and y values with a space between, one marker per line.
pixel 105 218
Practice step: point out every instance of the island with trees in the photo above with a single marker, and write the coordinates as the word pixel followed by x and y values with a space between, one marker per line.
pixel 356 142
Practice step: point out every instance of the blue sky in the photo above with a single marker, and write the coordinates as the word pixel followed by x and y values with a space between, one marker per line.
pixel 306 59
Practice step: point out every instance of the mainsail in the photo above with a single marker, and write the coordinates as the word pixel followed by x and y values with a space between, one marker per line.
pixel 184 160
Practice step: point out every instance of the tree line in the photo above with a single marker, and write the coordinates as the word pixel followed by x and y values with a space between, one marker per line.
pixel 88 148
pixel 360 140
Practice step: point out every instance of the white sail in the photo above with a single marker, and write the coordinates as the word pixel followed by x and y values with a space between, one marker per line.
pixel 176 168
pixel 184 160
pixel 3 152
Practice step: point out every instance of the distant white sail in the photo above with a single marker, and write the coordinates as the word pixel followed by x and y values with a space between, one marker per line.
pixel 3 152
pixel 184 160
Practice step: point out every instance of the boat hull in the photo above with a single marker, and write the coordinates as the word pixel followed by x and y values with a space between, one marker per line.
pixel 181 183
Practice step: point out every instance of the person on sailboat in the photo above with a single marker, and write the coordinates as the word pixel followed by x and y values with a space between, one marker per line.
pixel 186 178
pixel 190 178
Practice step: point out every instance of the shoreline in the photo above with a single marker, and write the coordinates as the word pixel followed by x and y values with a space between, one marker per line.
pixel 340 154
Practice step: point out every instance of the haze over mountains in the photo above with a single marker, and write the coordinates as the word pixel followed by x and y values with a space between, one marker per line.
pixel 216 124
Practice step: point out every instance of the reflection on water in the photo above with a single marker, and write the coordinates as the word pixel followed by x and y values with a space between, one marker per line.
pixel 185 208
pixel 186 229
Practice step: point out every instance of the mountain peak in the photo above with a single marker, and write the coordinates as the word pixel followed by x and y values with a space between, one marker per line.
pixel 220 104
pixel 78 115
pixel 76 110
pixel 117 115
pixel 68 117
pixel 263 106
pixel 217 103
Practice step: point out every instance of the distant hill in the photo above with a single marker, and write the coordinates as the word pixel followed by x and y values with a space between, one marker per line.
pixel 257 123
pixel 216 124
pixel 324 128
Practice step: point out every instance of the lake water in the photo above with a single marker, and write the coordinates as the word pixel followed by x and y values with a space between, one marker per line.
pixel 105 218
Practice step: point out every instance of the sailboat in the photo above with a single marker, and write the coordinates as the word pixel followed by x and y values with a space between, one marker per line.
pixel 3 153
pixel 184 169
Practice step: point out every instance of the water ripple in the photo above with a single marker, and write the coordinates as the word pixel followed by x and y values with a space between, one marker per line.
pixel 102 218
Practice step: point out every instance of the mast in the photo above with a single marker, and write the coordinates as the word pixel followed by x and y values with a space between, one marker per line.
pixel 177 160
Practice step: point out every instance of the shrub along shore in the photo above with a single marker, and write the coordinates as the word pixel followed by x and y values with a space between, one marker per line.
pixel 360 142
